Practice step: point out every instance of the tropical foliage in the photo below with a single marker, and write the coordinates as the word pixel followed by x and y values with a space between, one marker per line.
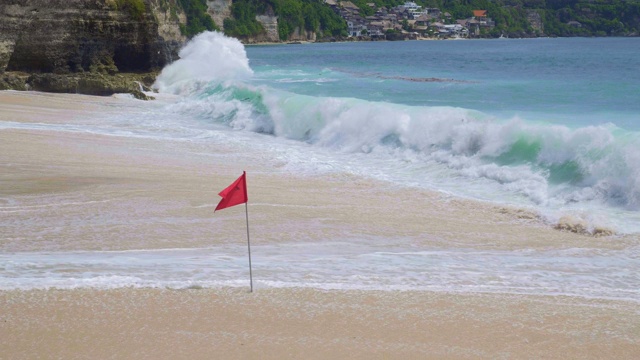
pixel 560 17
pixel 136 8
pixel 311 15
pixel 197 18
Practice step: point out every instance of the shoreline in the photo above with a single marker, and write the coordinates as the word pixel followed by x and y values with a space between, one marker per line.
pixel 29 107
pixel 266 43
pixel 64 189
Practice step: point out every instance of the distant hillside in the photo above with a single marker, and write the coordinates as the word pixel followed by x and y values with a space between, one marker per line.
pixel 309 16
pixel 559 17
pixel 514 18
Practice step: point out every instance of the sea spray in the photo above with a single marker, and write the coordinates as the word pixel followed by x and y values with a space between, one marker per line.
pixel 210 56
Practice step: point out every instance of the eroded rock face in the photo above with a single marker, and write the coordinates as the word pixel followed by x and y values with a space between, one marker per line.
pixel 66 36
pixel 270 24
pixel 219 10
pixel 535 20
pixel 92 83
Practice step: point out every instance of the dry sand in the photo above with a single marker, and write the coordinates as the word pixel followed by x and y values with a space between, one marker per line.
pixel 66 190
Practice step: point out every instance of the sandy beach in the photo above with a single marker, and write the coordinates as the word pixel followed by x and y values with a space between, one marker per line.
pixel 308 324
pixel 62 189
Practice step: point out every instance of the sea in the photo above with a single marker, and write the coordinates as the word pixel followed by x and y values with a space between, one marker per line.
pixel 551 125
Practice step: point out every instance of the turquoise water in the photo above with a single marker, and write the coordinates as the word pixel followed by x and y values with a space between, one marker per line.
pixel 550 124
pixel 574 82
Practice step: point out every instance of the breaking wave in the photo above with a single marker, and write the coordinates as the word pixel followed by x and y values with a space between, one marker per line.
pixel 550 165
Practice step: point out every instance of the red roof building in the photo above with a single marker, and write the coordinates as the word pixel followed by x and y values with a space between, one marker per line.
pixel 480 13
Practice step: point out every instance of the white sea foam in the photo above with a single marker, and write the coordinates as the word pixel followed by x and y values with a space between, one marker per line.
pixel 207 57
pixel 553 167
pixel 337 265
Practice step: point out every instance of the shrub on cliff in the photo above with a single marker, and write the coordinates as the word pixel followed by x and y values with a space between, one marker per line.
pixel 197 18
pixel 243 23
pixel 312 15
pixel 136 8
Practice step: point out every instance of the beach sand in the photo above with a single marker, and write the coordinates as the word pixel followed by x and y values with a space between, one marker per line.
pixel 79 191
pixel 310 324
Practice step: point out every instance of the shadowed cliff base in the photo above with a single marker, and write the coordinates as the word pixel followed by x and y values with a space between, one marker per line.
pixel 81 83
pixel 93 47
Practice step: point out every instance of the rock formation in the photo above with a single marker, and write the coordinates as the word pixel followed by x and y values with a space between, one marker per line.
pixel 219 10
pixel 86 40
pixel 270 24
pixel 535 20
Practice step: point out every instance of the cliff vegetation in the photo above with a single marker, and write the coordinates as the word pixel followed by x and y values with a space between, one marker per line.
pixel 559 17
pixel 310 15
pixel 136 8
pixel 512 18
pixel 197 18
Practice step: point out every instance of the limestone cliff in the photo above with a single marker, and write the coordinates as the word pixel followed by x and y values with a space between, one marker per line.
pixel 219 10
pixel 87 46
pixel 169 17
pixel 62 36
pixel 535 20
pixel 302 35
pixel 270 25
pixel 100 46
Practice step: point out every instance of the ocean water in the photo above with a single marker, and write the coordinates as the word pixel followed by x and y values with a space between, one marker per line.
pixel 551 125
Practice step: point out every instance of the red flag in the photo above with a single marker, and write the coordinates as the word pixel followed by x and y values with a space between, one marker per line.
pixel 234 194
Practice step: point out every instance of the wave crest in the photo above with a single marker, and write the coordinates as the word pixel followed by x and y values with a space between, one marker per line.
pixel 546 163
pixel 209 56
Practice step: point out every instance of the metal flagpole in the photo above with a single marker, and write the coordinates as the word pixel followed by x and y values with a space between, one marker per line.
pixel 246 208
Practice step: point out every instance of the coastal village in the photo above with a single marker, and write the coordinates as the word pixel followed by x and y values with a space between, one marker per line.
pixel 409 21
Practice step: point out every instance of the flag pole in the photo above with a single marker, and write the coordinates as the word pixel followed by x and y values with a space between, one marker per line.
pixel 236 194
pixel 246 208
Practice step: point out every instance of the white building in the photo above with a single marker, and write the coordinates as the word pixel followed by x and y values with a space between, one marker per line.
pixel 355 27
pixel 414 9
pixel 456 30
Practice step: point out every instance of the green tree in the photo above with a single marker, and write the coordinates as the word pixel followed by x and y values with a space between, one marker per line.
pixel 244 23
pixel 136 8
pixel 197 18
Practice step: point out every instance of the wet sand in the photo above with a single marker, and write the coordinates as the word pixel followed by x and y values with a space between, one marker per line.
pixel 73 190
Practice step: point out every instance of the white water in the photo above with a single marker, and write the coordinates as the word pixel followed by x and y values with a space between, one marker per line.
pixel 591 173
pixel 355 264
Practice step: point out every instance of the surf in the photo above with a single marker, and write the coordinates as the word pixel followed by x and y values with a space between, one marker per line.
pixel 554 168
pixel 354 265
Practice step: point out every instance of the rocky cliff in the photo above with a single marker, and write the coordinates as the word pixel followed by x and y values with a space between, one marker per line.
pixel 535 20
pixel 270 25
pixel 219 10
pixel 76 37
